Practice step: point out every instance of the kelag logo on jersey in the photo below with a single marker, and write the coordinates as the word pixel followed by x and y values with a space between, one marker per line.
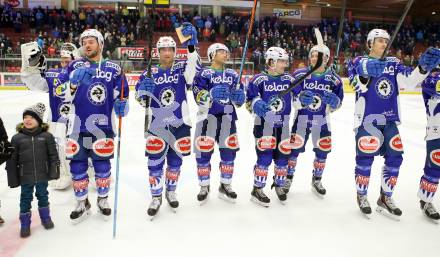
pixel 384 88
pixel 219 79
pixel 315 85
pixel 107 75
pixel 166 79
pixel 97 93
pixel 274 87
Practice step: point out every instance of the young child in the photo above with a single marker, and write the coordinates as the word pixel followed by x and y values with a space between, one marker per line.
pixel 34 162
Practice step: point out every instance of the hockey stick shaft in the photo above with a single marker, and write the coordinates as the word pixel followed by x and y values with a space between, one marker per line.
pixel 341 26
pixel 148 117
pixel 340 29
pixel 396 30
pixel 243 58
pixel 302 78
pixel 317 65
pixel 118 155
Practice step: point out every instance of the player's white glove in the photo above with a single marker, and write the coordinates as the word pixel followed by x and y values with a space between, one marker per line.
pixel 32 58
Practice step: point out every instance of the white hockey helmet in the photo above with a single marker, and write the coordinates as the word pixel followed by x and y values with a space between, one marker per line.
pixel 321 49
pixel 92 33
pixel 165 42
pixel 212 50
pixel 276 53
pixel 69 50
pixel 377 33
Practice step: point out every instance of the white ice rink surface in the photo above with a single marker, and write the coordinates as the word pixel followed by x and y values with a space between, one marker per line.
pixel 305 226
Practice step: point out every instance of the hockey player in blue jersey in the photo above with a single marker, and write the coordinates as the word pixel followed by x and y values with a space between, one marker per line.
pixel 36 78
pixel 429 180
pixel 93 88
pixel 217 95
pixel 169 135
pixel 377 84
pixel 271 126
pixel 319 95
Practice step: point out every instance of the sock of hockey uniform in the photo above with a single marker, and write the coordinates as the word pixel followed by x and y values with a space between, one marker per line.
pixel 280 173
pixel 428 184
pixel 362 173
pixel 260 175
pixel 80 178
pixel 203 172
pixel 171 177
pixel 291 165
pixel 102 176
pixel 226 166
pixel 155 170
pixel 226 171
pixel 172 172
pixel 390 172
pixel 318 166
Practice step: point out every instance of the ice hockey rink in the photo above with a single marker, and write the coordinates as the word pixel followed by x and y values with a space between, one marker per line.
pixel 305 226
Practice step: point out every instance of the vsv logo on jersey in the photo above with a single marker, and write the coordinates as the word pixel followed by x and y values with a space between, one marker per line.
pixel 274 87
pixel 166 79
pixel 315 85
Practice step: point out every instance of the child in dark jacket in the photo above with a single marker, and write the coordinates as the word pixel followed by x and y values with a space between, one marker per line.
pixel 34 162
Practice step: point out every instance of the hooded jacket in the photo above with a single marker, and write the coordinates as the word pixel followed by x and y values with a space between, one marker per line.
pixel 35 158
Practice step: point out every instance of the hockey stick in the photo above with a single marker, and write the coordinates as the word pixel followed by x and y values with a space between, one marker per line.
pixel 338 43
pixel 396 30
pixel 118 154
pixel 243 58
pixel 399 24
pixel 313 69
pixel 148 117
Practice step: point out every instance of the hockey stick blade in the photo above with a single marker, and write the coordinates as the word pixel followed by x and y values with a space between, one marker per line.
pixel 313 69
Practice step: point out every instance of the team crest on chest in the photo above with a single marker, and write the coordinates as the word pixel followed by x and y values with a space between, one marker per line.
pixel 64 109
pixel 384 88
pixel 276 104
pixel 316 104
pixel 167 96
pixel 97 93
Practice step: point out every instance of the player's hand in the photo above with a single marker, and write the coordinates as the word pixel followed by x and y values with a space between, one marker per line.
pixel 189 30
pixel 220 93
pixel 430 59
pixel 238 96
pixel 82 75
pixel 371 68
pixel 146 87
pixel 306 97
pixel 331 99
pixel 121 107
pixel 260 108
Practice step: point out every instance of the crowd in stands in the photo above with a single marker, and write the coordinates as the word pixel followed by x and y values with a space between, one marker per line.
pixel 52 27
